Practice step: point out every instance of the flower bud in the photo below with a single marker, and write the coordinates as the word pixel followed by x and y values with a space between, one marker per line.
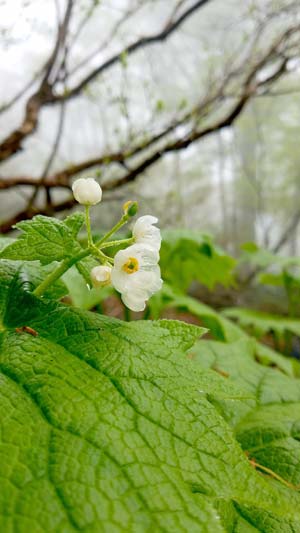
pixel 101 276
pixel 87 191
pixel 130 208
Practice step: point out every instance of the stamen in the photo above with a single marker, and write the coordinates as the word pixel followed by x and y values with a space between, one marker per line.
pixel 131 266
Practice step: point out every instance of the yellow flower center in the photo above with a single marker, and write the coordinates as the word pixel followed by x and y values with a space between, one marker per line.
pixel 131 266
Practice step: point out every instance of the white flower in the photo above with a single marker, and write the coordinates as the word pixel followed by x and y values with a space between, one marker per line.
pixel 145 233
pixel 87 191
pixel 101 275
pixel 136 275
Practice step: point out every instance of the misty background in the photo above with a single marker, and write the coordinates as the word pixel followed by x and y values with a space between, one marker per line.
pixel 240 181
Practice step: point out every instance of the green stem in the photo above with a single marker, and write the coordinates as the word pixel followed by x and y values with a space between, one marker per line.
pixel 117 243
pixel 88 225
pixel 116 227
pixel 127 314
pixel 59 271
pixel 100 255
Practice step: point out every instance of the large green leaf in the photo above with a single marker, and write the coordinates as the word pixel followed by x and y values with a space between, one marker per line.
pixel 105 426
pixel 45 239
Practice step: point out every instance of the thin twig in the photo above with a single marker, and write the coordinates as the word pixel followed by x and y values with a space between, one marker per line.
pixel 132 48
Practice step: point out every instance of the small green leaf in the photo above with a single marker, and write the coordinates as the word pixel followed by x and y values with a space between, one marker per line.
pixel 75 222
pixel 261 323
pixel 124 58
pixel 182 104
pixel 268 428
pixel 220 327
pixel 189 256
pixel 160 106
pixel 250 247
pixel 268 278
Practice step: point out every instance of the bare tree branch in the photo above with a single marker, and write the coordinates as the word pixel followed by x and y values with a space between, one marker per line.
pixel 112 33
pixel 45 94
pixel 42 96
pixel 290 228
pixel 250 88
pixel 170 28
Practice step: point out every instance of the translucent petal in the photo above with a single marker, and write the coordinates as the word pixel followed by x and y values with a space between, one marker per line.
pixel 134 301
pixel 143 224
pixel 145 233
pixel 137 287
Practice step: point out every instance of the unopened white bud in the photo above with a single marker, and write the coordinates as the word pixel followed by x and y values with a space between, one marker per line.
pixel 101 276
pixel 87 191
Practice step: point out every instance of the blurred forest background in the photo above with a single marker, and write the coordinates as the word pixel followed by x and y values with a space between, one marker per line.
pixel 191 107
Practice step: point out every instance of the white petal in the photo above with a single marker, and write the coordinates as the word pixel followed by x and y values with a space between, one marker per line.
pixel 123 282
pixel 156 282
pixel 134 301
pixel 140 285
pixel 122 257
pixel 136 287
pixel 143 223
pixel 146 255
pixel 140 291
pixel 119 278
pixel 148 281
pixel 143 253
pixel 145 233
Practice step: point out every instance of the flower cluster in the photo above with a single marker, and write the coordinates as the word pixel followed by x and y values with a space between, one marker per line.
pixel 135 272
